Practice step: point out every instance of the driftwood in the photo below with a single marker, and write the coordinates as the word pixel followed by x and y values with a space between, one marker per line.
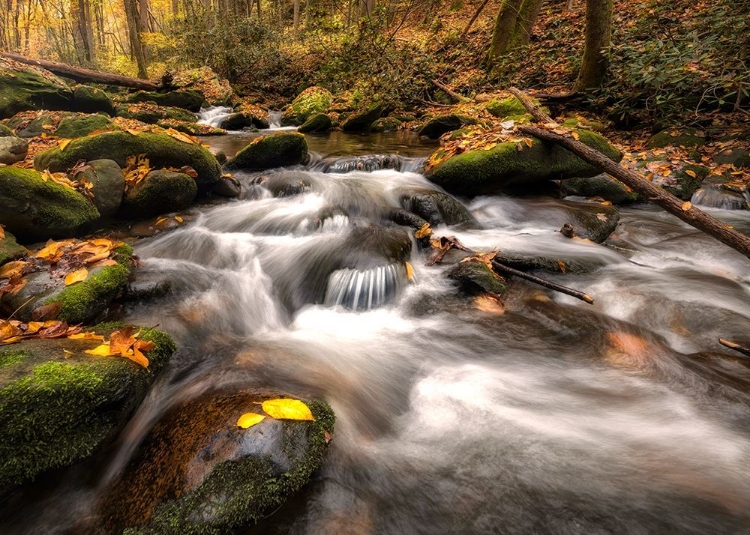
pixel 455 96
pixel 80 74
pixel 677 207
pixel 734 345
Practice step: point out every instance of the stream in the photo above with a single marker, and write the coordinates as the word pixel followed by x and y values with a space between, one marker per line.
pixel 553 417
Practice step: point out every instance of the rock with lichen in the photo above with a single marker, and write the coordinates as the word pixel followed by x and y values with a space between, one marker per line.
pixel 311 101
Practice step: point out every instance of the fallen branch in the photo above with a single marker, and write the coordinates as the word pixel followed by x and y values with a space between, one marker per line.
pixel 683 210
pixel 455 96
pixel 734 345
pixel 433 103
pixel 80 74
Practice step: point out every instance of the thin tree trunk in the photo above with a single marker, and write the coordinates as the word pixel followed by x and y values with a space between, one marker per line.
pixel 474 18
pixel 134 34
pixel 296 19
pixel 598 38
pixel 504 24
pixel 526 18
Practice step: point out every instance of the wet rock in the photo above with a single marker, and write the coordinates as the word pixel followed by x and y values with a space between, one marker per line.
pixel 687 138
pixel 57 409
pixel 215 477
pixel 368 162
pixel 228 186
pixel 320 122
pixel 107 185
pixel 436 127
pixel 504 166
pixel 187 99
pixel 312 101
pixel 92 100
pixel 475 277
pixel 9 248
pixel 715 196
pixel 736 157
pixel 82 125
pixel 163 151
pixel 436 207
pixel 603 186
pixel 362 121
pixel 242 120
pixel 192 129
pixel 287 183
pixel 35 210
pixel 682 180
pixel 145 287
pixel 34 127
pixel 151 114
pixel 158 193
pixel 12 149
pixel 591 220
pixel 268 152
pixel 23 87
pixel 386 124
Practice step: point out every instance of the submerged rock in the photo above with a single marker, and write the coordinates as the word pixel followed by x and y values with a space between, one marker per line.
pixel 362 121
pixel 198 472
pixel 158 193
pixel 162 150
pixel 107 185
pixel 268 152
pixel 91 100
pixel 434 128
pixel 187 99
pixel 475 277
pixel 23 87
pixel 319 122
pixel 58 408
pixel 35 210
pixel 312 101
pixel 494 170
pixel 436 207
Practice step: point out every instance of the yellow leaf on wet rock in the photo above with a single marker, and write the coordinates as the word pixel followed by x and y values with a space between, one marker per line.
pixel 287 409
pixel 78 275
pixel 99 351
pixel 64 143
pixel 409 271
pixel 423 231
pixel 250 419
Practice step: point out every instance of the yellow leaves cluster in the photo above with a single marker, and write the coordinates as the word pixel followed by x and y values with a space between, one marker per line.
pixel 136 169
pixel 58 178
pixel 123 343
pixel 13 331
pixel 279 409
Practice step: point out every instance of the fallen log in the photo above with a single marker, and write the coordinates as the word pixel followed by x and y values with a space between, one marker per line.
pixel 737 347
pixel 677 207
pixel 448 91
pixel 79 74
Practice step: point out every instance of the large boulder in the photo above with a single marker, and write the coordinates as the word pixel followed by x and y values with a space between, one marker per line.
pixel 83 125
pixel 214 89
pixel 311 101
pixel 603 186
pixel 386 124
pixel 503 166
pixel 59 405
pixel 107 184
pixel 362 121
pixel 687 138
pixel 436 127
pixel 89 99
pixel 9 248
pixel 435 207
pixel 507 108
pixel 268 152
pixel 35 209
pixel 187 99
pixel 12 149
pixel 320 122
pixel 159 192
pixel 162 150
pixel 23 87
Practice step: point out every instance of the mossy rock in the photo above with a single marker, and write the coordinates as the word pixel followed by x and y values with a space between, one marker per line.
pixel 12 149
pixel 6 131
pixel 495 170
pixel 320 122
pixel 362 121
pixel 242 120
pixel 36 210
pixel 436 127
pixel 684 182
pixel 150 114
pixel 734 156
pixel 686 138
pixel 158 193
pixel 89 99
pixel 576 122
pixel 9 248
pixel 268 152
pixel 107 185
pixel 509 108
pixel 187 99
pixel 603 186
pixel 386 124
pixel 44 123
pixel 311 101
pixel 57 409
pixel 435 207
pixel 192 129
pixel 162 150
pixel 592 221
pixel 82 125
pixel 474 278
pixel 28 88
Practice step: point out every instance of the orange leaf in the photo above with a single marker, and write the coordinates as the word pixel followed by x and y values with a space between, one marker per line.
pixel 78 275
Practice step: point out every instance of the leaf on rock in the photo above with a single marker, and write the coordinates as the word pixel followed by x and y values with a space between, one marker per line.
pixel 88 335
pixel 287 409
pixel 250 419
pixel 99 351
pixel 64 143
pixel 78 275
pixel 423 231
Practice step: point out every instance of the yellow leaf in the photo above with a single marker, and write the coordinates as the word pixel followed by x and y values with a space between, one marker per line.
pixel 64 143
pixel 86 336
pixel 287 409
pixel 2 232
pixel 409 271
pixel 99 351
pixel 249 419
pixel 686 206
pixel 575 135
pixel 423 231
pixel 179 219
pixel 67 354
pixel 132 132
pixel 78 275
pixel 690 173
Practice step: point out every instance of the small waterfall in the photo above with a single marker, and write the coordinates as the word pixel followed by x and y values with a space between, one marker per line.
pixel 274 119
pixel 214 115
pixel 713 197
pixel 368 163
pixel 364 289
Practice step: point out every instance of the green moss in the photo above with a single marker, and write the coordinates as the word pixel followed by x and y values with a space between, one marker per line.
pixel 268 152
pixel 6 132
pixel 474 277
pixel 9 248
pixel 187 99
pixel 26 89
pixel 33 209
pixel 163 151
pixel 311 101
pixel 319 122
pixel 79 126
pixel 490 171
pixel 362 121
pixel 11 357
pixel 386 124
pixel 686 138
pixel 158 193
pixel 91 100
pixel 506 107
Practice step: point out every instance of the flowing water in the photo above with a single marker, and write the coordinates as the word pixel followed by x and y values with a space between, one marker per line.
pixel 554 417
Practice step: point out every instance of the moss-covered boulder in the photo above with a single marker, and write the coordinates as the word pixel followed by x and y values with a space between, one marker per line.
pixel 687 138
pixel 475 277
pixel 734 156
pixel 162 150
pixel 386 124
pixel 197 472
pixel 6 131
pixel 158 193
pixel 152 114
pixel 437 126
pixel 23 87
pixel 89 99
pixel 268 152
pixel 82 125
pixel 311 101
pixel 9 248
pixel 435 207
pixel 58 408
pixel 681 179
pixel 242 120
pixel 42 122
pixel 12 149
pixel 320 122
pixel 603 186
pixel 187 99
pixel 192 129
pixel 107 184
pixel 362 121
pixel 508 108
pixel 214 89
pixel 503 166
pixel 34 209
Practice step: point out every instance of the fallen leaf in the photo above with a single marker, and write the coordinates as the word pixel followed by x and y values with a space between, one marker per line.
pixel 99 351
pixel 423 231
pixel 250 419
pixel 287 409
pixel 179 219
pixel 47 312
pixel 78 275
pixel 64 143
pixel 13 269
pixel 86 336
pixel 409 271
pixel 691 173
pixel 67 353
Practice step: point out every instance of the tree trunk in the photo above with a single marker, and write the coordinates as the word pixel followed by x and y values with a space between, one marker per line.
pixel 526 18
pixel 504 24
pixel 598 38
pixel 474 18
pixel 134 35
pixel 296 18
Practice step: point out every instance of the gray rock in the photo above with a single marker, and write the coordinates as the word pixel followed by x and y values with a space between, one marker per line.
pixel 12 149
pixel 108 185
